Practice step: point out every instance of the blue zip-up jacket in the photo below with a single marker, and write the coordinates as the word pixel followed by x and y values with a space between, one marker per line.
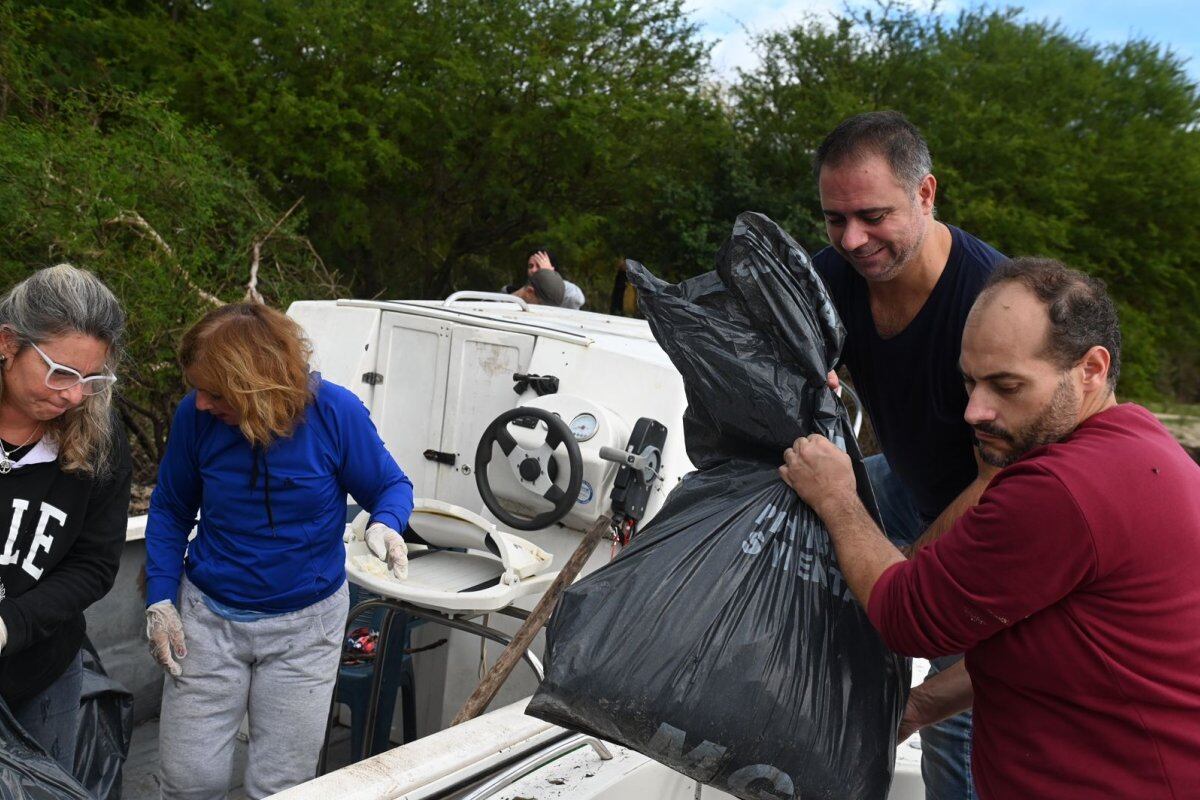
pixel 271 521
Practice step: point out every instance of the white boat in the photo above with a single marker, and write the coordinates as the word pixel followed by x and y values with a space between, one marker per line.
pixel 435 376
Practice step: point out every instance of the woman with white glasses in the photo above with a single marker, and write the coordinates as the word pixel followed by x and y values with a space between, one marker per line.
pixel 64 491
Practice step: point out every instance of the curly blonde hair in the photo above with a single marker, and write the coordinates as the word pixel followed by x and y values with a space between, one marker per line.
pixel 61 300
pixel 257 359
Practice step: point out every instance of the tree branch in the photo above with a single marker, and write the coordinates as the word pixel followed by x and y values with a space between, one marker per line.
pixel 135 220
pixel 256 253
pixel 128 405
pixel 148 446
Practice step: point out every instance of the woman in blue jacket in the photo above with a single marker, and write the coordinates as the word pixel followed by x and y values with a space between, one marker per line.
pixel 266 451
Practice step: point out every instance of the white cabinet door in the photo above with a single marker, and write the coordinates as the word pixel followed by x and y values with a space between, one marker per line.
pixel 409 405
pixel 480 387
pixel 344 342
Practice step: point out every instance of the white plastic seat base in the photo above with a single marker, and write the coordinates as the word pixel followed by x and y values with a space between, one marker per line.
pixel 497 570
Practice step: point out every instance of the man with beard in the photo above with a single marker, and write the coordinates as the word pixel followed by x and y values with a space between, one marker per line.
pixel 1071 586
pixel 903 282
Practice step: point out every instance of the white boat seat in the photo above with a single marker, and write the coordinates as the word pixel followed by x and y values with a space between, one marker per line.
pixel 497 569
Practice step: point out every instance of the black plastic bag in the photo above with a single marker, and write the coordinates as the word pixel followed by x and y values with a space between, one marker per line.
pixel 724 642
pixel 105 729
pixel 26 772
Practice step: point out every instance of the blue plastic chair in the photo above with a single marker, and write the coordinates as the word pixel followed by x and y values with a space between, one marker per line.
pixel 354 681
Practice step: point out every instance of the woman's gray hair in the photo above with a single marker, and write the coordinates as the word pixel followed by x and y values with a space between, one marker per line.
pixel 61 300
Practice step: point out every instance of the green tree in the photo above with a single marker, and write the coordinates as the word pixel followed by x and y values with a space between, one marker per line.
pixel 1043 143
pixel 436 142
pixel 125 187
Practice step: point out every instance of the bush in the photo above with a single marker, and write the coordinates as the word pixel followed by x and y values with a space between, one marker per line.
pixel 121 185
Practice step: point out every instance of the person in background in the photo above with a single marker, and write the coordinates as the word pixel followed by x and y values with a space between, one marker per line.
pixel 64 491
pixel 1071 586
pixel 903 282
pixel 542 259
pixel 544 288
pixel 248 617
pixel 623 300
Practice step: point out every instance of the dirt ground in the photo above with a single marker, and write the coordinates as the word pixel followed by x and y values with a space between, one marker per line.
pixel 1186 428
pixel 139 500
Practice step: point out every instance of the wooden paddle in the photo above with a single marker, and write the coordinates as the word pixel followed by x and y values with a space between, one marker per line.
pixel 486 691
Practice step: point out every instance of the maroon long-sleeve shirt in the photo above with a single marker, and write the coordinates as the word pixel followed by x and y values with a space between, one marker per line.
pixel 1074 589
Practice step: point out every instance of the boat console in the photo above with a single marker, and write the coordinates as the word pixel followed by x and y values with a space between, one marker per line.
pixel 520 427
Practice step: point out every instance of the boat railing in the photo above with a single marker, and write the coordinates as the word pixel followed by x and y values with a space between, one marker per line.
pixel 522 768
pixel 498 297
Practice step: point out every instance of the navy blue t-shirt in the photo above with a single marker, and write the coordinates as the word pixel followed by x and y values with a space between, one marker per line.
pixel 910 383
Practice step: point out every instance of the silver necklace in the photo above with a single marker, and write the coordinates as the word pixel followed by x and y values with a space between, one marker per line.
pixel 6 463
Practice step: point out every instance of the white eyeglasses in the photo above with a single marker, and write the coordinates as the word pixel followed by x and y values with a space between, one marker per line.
pixel 60 377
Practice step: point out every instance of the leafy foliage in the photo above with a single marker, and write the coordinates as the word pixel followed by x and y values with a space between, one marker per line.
pixel 434 144
pixel 121 185
pixel 1043 144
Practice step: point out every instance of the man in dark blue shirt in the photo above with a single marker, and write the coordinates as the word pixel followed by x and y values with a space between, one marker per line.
pixel 903 283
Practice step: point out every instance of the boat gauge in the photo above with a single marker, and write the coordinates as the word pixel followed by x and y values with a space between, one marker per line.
pixel 584 427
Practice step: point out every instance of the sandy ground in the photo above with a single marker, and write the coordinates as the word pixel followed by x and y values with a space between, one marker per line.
pixel 1185 427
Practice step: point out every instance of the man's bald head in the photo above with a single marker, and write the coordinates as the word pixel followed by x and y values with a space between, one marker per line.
pixel 1079 313
pixel 1040 354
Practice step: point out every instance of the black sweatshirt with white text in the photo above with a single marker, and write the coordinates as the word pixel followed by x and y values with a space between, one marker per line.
pixel 61 536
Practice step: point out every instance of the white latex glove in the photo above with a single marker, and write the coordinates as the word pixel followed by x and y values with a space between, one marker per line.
pixel 164 630
pixel 389 546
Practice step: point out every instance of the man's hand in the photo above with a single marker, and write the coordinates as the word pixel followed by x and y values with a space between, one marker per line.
pixel 389 546
pixel 539 260
pixel 941 696
pixel 819 472
pixel 823 476
pixel 834 382
pixel 164 630
pixel 914 715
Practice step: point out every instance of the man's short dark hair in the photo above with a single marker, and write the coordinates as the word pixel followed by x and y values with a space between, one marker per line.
pixel 1082 315
pixel 547 251
pixel 885 133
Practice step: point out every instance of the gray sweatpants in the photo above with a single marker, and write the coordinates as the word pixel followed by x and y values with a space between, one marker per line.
pixel 280 670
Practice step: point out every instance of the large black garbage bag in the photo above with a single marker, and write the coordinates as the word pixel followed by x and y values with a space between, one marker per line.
pixel 105 729
pixel 724 641
pixel 26 772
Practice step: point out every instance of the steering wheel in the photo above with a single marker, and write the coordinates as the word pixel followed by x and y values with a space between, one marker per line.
pixel 534 468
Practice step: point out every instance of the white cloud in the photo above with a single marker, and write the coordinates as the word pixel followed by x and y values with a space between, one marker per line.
pixel 733 25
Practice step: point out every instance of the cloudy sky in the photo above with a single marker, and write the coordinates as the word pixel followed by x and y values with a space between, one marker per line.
pixel 733 23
